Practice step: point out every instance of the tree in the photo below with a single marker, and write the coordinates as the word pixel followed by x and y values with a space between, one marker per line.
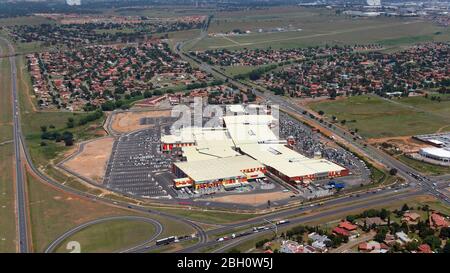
pixel 393 171
pixel 433 241
pixel 321 112
pixel 446 248
pixel 43 128
pixel 445 233
pixel 413 245
pixel 405 207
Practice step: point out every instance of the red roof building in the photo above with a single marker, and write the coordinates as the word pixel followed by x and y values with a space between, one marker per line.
pixel 424 248
pixel 341 231
pixel 438 221
pixel 347 225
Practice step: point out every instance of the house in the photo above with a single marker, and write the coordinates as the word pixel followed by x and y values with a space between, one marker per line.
pixel 437 221
pixel 347 226
pixel 294 247
pixel 341 231
pixel 369 246
pixel 319 241
pixel 402 237
pixel 424 248
pixel 370 221
pixel 411 217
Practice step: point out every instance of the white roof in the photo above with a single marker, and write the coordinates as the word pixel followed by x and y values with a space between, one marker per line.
pixel 200 136
pixel 236 108
pixel 251 133
pixel 248 119
pixel 288 161
pixel 219 168
pixel 438 152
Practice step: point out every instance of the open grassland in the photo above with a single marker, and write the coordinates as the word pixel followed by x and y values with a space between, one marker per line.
pixel 318 27
pixel 7 206
pixel 24 20
pixel 110 236
pixel 375 117
pixel 209 216
pixel 54 212
pixel 424 167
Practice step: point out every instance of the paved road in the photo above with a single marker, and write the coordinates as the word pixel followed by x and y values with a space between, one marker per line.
pixel 20 196
pixel 67 234
pixel 20 144
pixel 375 154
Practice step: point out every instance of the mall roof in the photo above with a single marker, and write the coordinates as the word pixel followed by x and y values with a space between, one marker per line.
pixel 219 168
pixel 288 161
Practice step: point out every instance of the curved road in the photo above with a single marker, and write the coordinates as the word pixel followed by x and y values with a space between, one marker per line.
pixel 67 234
pixel 20 145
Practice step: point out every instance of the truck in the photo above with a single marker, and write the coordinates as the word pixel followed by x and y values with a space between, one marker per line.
pixel 282 222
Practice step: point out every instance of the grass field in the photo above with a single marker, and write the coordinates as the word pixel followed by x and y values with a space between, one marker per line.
pixel 209 216
pixel 424 167
pixel 375 117
pixel 110 236
pixel 7 206
pixel 53 212
pixel 318 27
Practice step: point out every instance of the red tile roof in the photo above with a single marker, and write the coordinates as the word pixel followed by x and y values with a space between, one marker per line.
pixel 347 225
pixel 341 231
pixel 424 248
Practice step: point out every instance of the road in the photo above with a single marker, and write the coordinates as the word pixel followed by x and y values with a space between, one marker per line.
pixel 68 234
pixel 372 152
pixel 25 159
pixel 20 193
pixel 408 173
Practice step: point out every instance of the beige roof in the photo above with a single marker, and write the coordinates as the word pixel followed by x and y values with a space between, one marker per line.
pixel 288 161
pixel 196 153
pixel 219 168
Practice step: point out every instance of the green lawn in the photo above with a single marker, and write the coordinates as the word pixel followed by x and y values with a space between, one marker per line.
pixel 318 27
pixel 375 117
pixel 424 167
pixel 209 216
pixel 7 206
pixel 110 236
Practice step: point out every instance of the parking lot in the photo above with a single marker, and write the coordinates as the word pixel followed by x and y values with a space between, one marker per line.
pixel 135 164
pixel 308 143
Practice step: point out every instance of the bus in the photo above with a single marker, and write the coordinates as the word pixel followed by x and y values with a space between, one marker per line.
pixel 166 241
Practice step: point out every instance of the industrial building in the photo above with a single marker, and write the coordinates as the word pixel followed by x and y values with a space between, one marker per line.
pixel 244 149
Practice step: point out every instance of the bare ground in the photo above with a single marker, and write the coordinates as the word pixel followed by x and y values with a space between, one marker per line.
pixel 91 162
pixel 252 199
pixel 130 121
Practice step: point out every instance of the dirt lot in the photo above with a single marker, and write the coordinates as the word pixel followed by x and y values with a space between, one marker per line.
pixel 405 144
pixel 252 199
pixel 91 162
pixel 130 121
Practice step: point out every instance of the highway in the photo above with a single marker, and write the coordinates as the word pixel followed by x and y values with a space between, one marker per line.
pixel 158 230
pixel 20 191
pixel 408 173
pixel 385 197
pixel 20 145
